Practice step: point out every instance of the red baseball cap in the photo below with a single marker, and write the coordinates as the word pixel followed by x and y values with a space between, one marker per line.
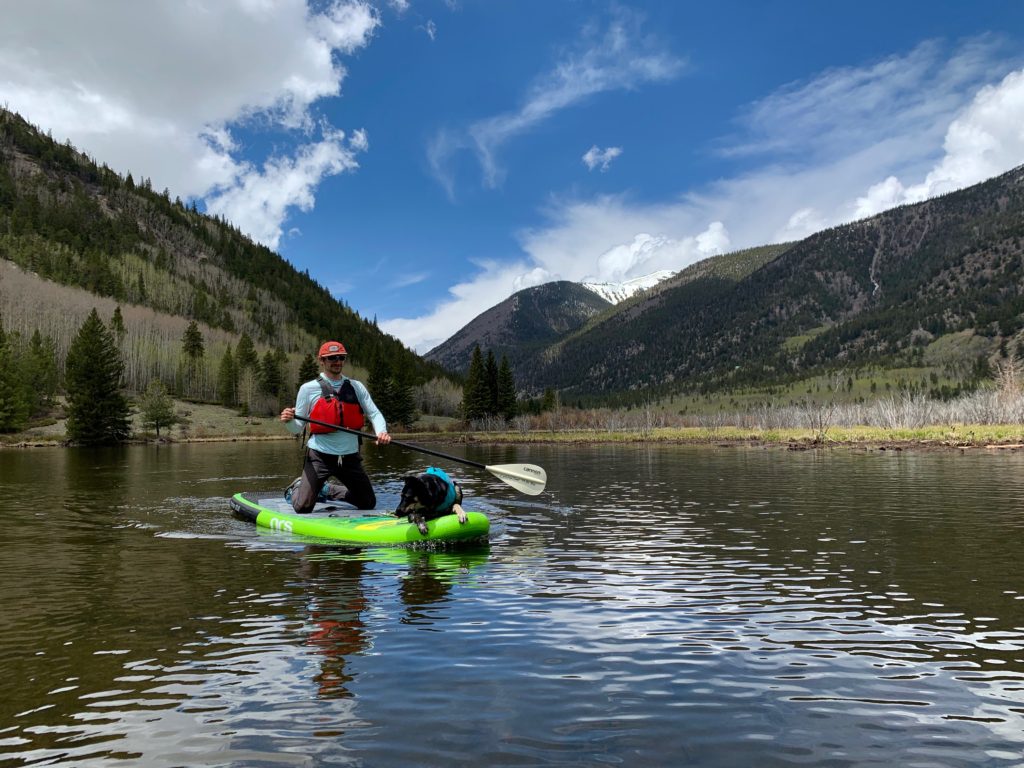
pixel 332 348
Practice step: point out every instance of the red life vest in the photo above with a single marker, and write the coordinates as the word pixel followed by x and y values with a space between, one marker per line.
pixel 341 408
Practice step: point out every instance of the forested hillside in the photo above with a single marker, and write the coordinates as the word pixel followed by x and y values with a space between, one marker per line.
pixel 74 235
pixel 885 291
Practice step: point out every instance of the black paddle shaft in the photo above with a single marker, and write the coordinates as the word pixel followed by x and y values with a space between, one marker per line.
pixel 410 446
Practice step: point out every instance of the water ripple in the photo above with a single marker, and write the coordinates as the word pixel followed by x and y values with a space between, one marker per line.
pixel 701 607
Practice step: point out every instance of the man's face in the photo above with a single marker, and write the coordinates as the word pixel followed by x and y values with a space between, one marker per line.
pixel 333 363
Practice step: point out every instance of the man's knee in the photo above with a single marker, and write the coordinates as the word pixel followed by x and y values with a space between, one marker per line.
pixel 304 496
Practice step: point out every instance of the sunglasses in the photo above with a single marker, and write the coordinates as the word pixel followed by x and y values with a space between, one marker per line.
pixel 334 358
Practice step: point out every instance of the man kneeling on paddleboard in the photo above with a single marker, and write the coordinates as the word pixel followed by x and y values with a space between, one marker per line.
pixel 334 399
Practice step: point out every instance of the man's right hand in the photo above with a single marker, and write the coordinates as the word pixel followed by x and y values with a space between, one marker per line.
pixel 287 414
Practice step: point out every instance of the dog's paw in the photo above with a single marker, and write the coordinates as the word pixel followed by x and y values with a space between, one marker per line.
pixel 423 528
pixel 460 513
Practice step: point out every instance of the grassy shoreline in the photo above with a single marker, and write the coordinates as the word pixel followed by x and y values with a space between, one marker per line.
pixel 953 436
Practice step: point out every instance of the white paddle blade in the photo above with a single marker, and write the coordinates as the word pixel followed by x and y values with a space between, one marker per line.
pixel 526 478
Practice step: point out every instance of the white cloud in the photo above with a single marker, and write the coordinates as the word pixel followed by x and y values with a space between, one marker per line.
pixel 616 57
pixel 593 241
pixel 156 91
pixel 404 281
pixel 259 200
pixel 984 141
pixel 596 157
pixel 937 121
pixel 464 302
pixel 847 109
pixel 801 224
pixel 431 29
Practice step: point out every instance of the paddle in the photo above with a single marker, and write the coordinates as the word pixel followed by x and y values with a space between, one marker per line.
pixel 527 478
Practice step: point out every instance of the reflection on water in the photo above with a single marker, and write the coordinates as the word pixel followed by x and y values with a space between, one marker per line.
pixel 660 606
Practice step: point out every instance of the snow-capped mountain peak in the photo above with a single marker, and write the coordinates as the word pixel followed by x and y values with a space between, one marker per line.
pixel 616 292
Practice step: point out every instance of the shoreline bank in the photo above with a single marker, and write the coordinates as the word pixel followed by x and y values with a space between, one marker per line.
pixel 947 437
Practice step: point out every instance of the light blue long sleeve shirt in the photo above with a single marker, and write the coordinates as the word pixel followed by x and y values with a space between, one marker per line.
pixel 336 443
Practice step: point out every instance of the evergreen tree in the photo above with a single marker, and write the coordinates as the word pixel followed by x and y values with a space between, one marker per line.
pixel 382 387
pixel 117 326
pixel 248 372
pixel 97 410
pixel 157 407
pixel 272 377
pixel 193 348
pixel 227 379
pixel 192 342
pixel 245 353
pixel 507 406
pixel 491 376
pixel 39 372
pixel 308 370
pixel 475 397
pixel 403 402
pixel 14 406
pixel 549 401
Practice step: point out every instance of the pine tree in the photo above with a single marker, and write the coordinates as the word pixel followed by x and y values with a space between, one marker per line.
pixel 14 406
pixel 382 387
pixel 549 401
pixel 157 407
pixel 403 402
pixel 475 397
pixel 245 353
pixel 507 406
pixel 271 376
pixel 248 371
pixel 192 342
pixel 227 379
pixel 97 410
pixel 117 326
pixel 491 377
pixel 193 348
pixel 308 370
pixel 39 372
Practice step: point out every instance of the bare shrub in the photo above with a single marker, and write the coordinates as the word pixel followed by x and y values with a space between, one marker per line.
pixel 488 424
pixel 521 424
pixel 438 397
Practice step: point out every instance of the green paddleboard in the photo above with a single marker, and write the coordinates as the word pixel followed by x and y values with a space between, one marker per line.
pixel 338 523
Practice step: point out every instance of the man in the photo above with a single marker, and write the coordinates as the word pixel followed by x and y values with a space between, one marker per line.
pixel 335 399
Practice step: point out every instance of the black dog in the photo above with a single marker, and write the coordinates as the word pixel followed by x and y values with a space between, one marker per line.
pixel 430 495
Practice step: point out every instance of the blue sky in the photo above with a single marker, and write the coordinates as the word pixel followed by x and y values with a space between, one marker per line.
pixel 425 159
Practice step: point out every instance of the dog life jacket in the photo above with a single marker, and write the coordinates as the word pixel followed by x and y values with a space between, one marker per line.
pixel 452 496
pixel 341 408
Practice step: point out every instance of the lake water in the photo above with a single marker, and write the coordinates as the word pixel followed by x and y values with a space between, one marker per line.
pixel 661 605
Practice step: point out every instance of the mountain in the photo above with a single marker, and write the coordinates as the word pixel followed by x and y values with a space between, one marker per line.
pixel 616 292
pixel 938 283
pixel 891 290
pixel 529 320
pixel 75 234
pixel 534 323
